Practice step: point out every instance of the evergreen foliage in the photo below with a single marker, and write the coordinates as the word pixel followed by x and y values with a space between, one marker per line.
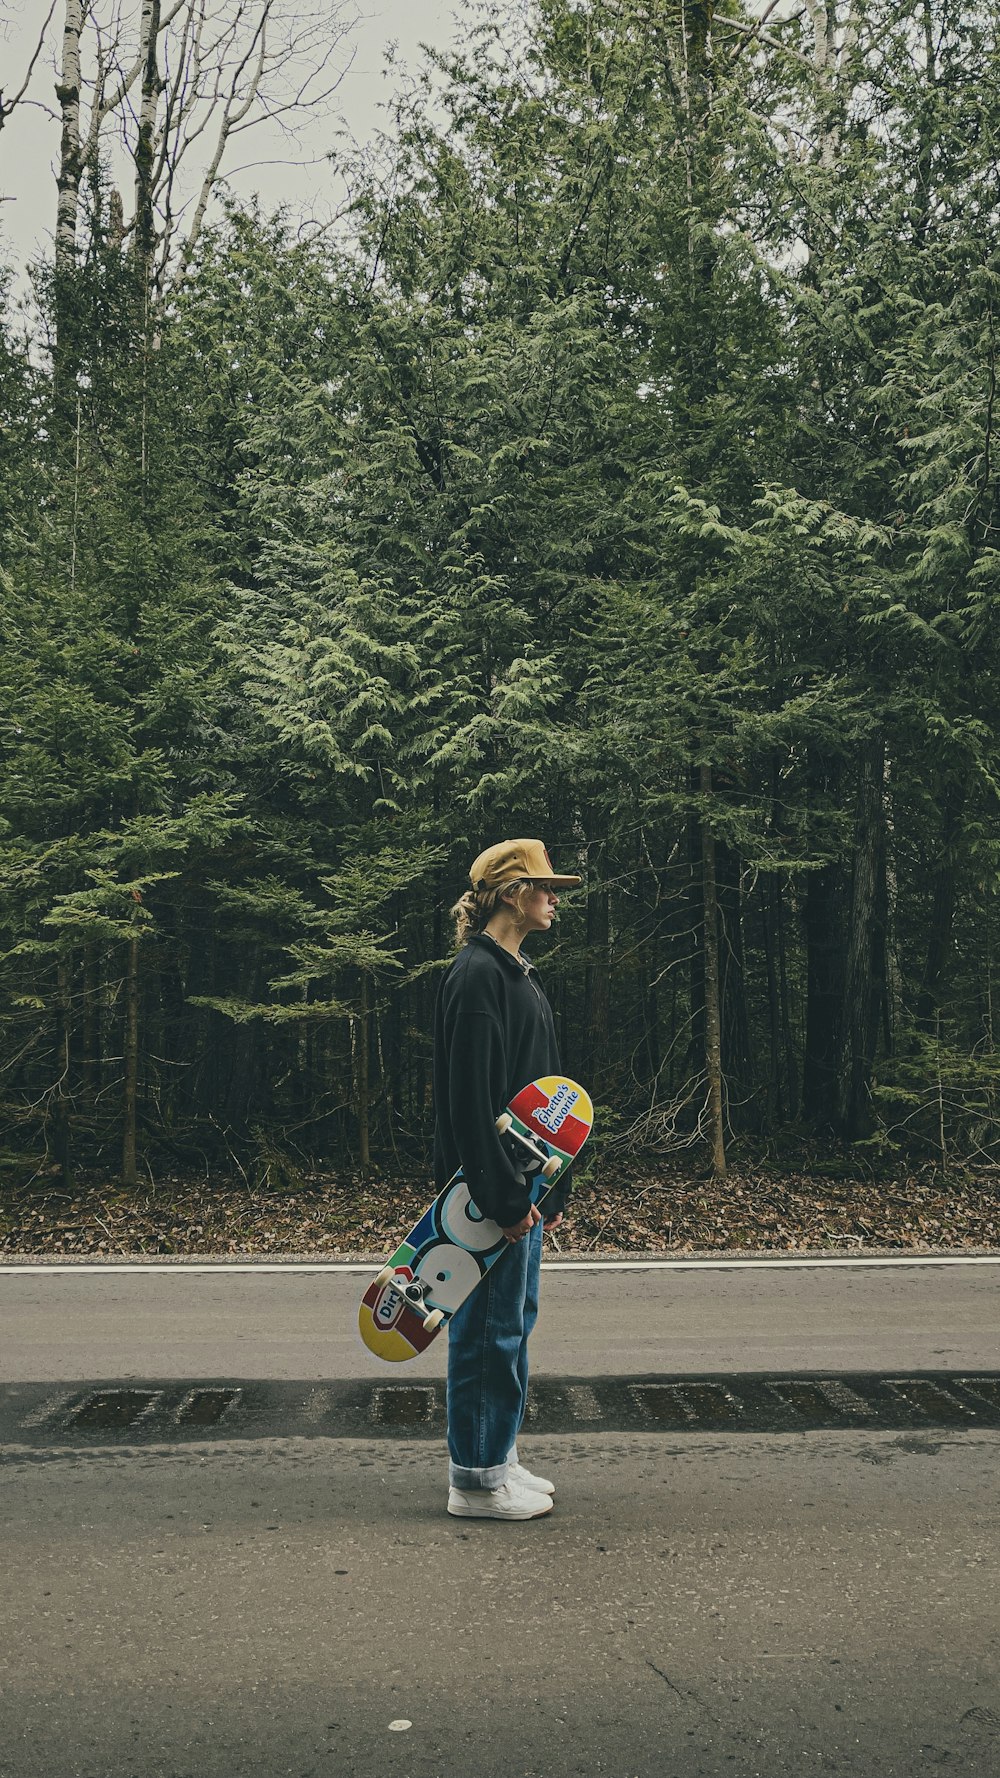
pixel 626 474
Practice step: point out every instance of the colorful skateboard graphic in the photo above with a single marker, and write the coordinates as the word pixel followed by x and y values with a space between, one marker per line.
pixel 453 1246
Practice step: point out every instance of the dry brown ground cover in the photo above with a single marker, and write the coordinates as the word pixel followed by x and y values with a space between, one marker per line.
pixel 617 1211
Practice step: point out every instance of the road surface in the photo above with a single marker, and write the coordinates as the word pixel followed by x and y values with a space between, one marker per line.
pixel 183 1321
pixel 723 1604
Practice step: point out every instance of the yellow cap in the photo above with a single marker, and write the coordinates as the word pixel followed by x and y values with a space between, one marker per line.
pixel 512 860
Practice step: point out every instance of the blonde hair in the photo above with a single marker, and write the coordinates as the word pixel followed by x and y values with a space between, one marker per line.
pixel 474 910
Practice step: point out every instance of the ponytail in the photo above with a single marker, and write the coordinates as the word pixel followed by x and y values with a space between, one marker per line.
pixel 474 910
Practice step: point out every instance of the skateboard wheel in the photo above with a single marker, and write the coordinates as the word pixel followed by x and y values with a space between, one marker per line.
pixel 551 1167
pixel 385 1274
pixel 504 1122
pixel 433 1320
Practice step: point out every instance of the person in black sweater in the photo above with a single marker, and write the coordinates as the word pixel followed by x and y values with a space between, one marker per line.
pixel 493 1033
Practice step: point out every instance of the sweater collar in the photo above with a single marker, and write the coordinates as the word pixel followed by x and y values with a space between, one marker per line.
pixel 520 962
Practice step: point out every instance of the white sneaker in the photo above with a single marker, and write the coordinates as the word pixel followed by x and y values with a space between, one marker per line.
pixel 509 1501
pixel 524 1479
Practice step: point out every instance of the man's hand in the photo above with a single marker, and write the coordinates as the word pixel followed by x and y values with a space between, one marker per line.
pixel 518 1230
pixel 552 1222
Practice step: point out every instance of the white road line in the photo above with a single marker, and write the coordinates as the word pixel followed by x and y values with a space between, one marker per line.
pixel 782 1262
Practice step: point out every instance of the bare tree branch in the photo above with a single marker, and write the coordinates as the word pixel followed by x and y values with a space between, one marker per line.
pixel 9 105
pixel 274 75
pixel 754 33
pixel 177 81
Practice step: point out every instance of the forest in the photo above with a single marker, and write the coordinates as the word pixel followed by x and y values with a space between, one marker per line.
pixel 618 469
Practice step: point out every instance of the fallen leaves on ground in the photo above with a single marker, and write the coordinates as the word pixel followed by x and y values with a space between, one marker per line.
pixel 612 1211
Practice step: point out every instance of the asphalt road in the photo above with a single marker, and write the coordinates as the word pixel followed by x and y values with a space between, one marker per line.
pixel 698 1605
pixel 710 1608
pixel 63 1325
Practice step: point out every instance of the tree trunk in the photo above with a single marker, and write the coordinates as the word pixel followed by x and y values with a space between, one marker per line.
pixel 68 178
pixel 130 1098
pixel 943 890
pixel 735 1016
pixel 695 920
pixel 865 947
pixel 91 1023
pixel 822 918
pixel 61 1101
pixel 597 984
pixel 152 86
pixel 823 926
pixel 893 972
pixel 713 1024
pixel 362 1078
pixel 788 1042
pixel 649 894
pixel 988 966
pixel 769 934
pixel 70 152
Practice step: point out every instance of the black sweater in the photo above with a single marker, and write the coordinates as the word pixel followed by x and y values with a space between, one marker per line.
pixel 493 1034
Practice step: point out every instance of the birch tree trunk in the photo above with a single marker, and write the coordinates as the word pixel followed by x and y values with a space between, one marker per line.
pixel 70 172
pixel 144 148
pixel 70 154
pixel 832 60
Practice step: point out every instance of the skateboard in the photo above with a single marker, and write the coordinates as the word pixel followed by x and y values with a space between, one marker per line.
pixel 453 1246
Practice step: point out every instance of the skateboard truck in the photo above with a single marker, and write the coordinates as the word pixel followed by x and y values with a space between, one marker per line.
pixel 412 1292
pixel 551 1163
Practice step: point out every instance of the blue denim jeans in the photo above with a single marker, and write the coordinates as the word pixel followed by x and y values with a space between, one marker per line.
pixel 488 1367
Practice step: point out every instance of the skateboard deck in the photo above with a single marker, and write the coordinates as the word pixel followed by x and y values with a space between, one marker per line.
pixel 452 1247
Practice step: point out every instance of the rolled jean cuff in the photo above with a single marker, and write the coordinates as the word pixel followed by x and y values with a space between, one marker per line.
pixel 493 1477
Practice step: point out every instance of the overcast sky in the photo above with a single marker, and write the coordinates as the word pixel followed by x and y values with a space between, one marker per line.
pixel 29 143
